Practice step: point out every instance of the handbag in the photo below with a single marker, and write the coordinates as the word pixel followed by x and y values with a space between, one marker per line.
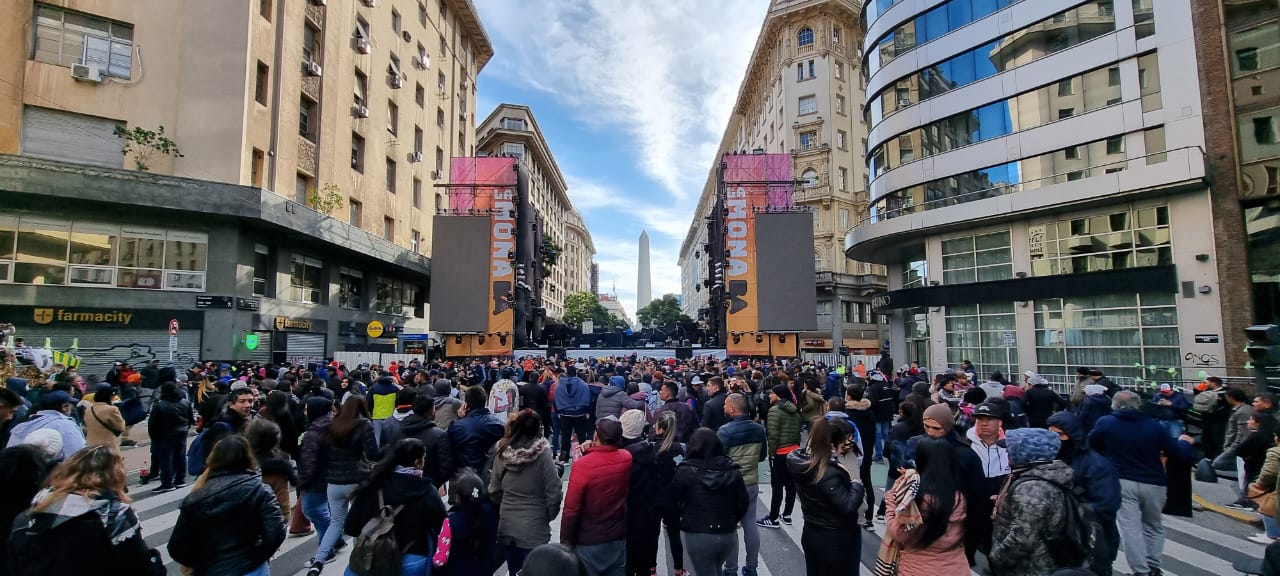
pixel 132 411
pixel 1205 472
pixel 1266 501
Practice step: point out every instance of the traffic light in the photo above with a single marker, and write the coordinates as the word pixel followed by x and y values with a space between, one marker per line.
pixel 844 350
pixel 1264 344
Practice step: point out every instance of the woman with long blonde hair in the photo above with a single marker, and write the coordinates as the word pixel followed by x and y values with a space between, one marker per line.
pixel 85 504
pixel 670 453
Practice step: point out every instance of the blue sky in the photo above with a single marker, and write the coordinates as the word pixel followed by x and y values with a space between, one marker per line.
pixel 633 98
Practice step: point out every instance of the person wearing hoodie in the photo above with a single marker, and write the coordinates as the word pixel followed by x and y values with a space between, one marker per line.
pixel 421 425
pixel 984 439
pixel 398 481
pixel 573 405
pixel 382 397
pixel 1041 401
pixel 712 498
pixel 526 487
pixel 389 430
pixel 594 519
pixel 1096 478
pixel 642 518
pixel 994 386
pixel 884 405
pixel 613 400
pixel 1032 508
pixel 1133 442
pixel 230 524
pixel 1094 404
pixel 54 414
pixel 829 497
pixel 783 432
pixel 475 433
pixel 1169 406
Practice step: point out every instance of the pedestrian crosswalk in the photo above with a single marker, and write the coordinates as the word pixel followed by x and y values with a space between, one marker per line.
pixel 1190 548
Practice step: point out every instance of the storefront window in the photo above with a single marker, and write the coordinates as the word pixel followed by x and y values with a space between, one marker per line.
pixel 983 334
pixel 305 284
pixel 1124 335
pixel 38 251
pixel 1263 226
pixel 917 330
pixel 41 252
pixel 981 258
pixel 1121 239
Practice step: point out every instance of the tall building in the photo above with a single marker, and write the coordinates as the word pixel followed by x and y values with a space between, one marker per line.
pixel 614 306
pixel 1039 190
pixel 802 94
pixel 351 108
pixel 644 286
pixel 511 130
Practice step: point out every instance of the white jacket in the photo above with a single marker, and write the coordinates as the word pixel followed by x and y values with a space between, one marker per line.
pixel 995 458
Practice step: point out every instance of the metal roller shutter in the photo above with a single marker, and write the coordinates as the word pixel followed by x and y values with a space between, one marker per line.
pixel 99 347
pixel 303 348
pixel 70 137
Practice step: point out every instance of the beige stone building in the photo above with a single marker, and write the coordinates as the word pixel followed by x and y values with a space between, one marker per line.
pixel 370 96
pixel 802 94
pixel 512 130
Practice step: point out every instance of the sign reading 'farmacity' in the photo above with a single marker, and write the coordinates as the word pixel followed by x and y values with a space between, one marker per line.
pixel 48 315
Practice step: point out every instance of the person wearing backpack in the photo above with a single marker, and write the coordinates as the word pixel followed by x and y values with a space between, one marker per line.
pixel 1033 531
pixel 1096 479
pixel 403 542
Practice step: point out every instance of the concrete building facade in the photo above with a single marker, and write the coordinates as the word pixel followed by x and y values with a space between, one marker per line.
pixel 802 94
pixel 1039 189
pixel 578 259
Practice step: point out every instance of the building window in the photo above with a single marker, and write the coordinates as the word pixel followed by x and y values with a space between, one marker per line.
pixel 417 140
pixel 1072 153
pixel 262 269
pixel 389 228
pixel 64 38
pixel 1264 131
pixel 357 152
pixel 1124 335
pixel 361 89
pixel 264 9
pixel 1065 87
pixel 439 203
pixel 1066 113
pixel 844 181
pixel 805 37
pixel 840 139
pixel 1113 76
pixel 844 218
pixel 513 124
pixel 839 70
pixel 808 140
pixel 984 334
pixel 1149 81
pixel 262 84
pixel 393 118
pixel 305 109
pixel 397 25
pixel 799 72
pixel 811 74
pixel 981 258
pixel 824 313
pixel 301 188
pixel 440 118
pixel 309 47
pixel 444 10
pixel 355 212
pixel 839 104
pixel 440 160
pixel 422 14
pixel 415 240
pixel 420 95
pixel 809 178
pixel 808 105
pixel 915 269
pixel 1129 238
pixel 391 176
pixel 305 279
pixel 1115 145
pixel 440 83
pixel 515 149
pixel 362 28
pixel 1144 18
pixel 417 193
pixel 350 289
pixel 257 159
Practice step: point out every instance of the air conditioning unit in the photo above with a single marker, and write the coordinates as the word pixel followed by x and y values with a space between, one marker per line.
pixel 86 72
pixel 904 102
pixel 397 82
pixel 437 174
pixel 363 46
pixel 420 64
pixel 371 3
pixel 415 157
pixel 311 68
pixel 360 111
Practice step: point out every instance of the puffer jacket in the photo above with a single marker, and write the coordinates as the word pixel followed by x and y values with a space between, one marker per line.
pixel 526 486
pixel 311 458
pixel 102 533
pixel 1029 513
pixel 1093 476
pixel 784 426
pixel 228 527
pixel 169 420
pixel 667 462
pixel 382 397
pixel 745 442
pixel 710 494
pixel 472 436
pixel 439 464
pixel 644 483
pixel 613 400
pixel 348 463
pixel 829 502
pixel 595 507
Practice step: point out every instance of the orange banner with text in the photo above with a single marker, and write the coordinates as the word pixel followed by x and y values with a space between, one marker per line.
pixel 742 320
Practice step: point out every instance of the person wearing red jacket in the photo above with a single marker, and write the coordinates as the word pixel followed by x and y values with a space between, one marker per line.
pixel 594 517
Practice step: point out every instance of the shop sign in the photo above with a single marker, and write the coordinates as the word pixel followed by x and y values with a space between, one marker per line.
pixel 815 342
pixel 45 316
pixel 248 304
pixel 287 323
pixel 374 329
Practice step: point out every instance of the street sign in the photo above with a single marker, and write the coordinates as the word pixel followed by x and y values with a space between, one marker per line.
pixel 173 347
pixel 374 329
pixel 215 302
pixel 248 304
pixel 173 326
pixel 1010 340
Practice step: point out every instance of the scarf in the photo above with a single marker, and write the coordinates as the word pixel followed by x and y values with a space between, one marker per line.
pixel 906 511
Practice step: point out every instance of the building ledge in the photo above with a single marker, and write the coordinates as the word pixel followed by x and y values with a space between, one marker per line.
pixel 836 279
pixel 1127 281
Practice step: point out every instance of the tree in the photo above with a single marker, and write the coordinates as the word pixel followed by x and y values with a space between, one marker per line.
pixel 551 256
pixel 583 305
pixel 662 312
pixel 144 144
pixel 325 200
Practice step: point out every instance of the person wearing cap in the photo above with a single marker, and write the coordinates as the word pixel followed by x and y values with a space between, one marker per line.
pixel 54 414
pixel 1097 377
pixel 1032 508
pixel 1134 443
pixel 1093 406
pixel 746 442
pixel 642 518
pixel 1096 478
pixel 1169 408
pixel 1041 401
pixel 984 440
pixel 594 517
pixel 103 423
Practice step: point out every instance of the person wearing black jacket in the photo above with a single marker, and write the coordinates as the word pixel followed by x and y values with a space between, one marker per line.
pixel 167 426
pixel 421 425
pixel 230 524
pixel 642 520
pixel 859 411
pixel 884 406
pixel 534 397
pixel 708 489
pixel 398 481
pixel 1041 402
pixel 312 497
pixel 348 442
pixel 829 498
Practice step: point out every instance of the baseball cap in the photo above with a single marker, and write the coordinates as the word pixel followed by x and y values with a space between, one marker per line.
pixel 1166 387
pixel 988 410
pixel 54 400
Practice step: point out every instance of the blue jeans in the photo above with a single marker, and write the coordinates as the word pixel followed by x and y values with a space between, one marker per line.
pixel 339 496
pixel 412 565
pixel 170 457
pixel 315 506
pixel 1171 427
pixel 1272 526
pixel 263 570
pixel 882 433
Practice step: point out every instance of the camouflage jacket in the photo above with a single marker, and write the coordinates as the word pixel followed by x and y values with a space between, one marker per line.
pixel 1026 517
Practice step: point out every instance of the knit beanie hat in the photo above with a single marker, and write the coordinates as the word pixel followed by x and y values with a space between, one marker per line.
pixel 1095 389
pixel 318 406
pixel 782 391
pixel 941 414
pixel 633 422
pixel 1027 445
pixel 47 440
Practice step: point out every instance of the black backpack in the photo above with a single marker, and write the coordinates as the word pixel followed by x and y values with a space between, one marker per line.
pixel 376 552
pixel 1073 546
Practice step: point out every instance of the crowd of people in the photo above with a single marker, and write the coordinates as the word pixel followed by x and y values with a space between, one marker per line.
pixel 458 467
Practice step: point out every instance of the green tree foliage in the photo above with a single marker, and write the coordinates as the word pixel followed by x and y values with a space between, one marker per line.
pixel 582 305
pixel 143 144
pixel 662 312
pixel 325 200
pixel 551 256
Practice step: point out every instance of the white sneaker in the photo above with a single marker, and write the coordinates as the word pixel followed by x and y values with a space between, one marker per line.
pixel 1261 539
